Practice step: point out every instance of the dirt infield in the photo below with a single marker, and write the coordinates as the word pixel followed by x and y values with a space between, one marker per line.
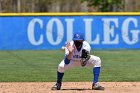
pixel 68 87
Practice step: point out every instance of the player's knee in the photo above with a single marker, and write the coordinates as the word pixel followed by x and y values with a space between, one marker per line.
pixel 60 68
pixel 98 62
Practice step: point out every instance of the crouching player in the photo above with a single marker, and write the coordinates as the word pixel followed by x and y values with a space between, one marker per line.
pixel 77 53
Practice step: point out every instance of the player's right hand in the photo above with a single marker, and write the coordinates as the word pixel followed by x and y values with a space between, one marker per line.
pixel 69 47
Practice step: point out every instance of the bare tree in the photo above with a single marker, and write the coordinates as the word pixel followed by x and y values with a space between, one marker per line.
pixel 32 5
pixel 14 5
pixel 132 5
pixel 0 6
pixel 18 5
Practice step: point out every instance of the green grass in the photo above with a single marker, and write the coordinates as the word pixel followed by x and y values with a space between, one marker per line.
pixel 40 66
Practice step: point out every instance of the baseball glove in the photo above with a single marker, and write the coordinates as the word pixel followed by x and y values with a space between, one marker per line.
pixel 84 57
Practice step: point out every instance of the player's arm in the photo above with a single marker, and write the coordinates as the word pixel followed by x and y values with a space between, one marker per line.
pixel 70 49
pixel 68 53
pixel 87 47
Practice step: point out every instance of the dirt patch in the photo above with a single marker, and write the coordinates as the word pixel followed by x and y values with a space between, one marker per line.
pixel 68 87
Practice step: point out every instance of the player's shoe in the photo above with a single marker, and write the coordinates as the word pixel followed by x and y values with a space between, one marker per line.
pixel 57 86
pixel 96 86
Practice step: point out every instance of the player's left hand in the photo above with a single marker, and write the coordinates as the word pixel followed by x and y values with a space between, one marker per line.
pixel 84 57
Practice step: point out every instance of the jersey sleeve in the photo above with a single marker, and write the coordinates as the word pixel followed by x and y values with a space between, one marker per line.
pixel 87 46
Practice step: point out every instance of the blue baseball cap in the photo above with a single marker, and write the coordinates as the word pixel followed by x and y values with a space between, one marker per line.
pixel 78 36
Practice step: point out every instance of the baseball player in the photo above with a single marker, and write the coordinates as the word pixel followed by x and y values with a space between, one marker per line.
pixel 77 53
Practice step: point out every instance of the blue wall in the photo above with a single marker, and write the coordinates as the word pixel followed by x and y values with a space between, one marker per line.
pixel 52 32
